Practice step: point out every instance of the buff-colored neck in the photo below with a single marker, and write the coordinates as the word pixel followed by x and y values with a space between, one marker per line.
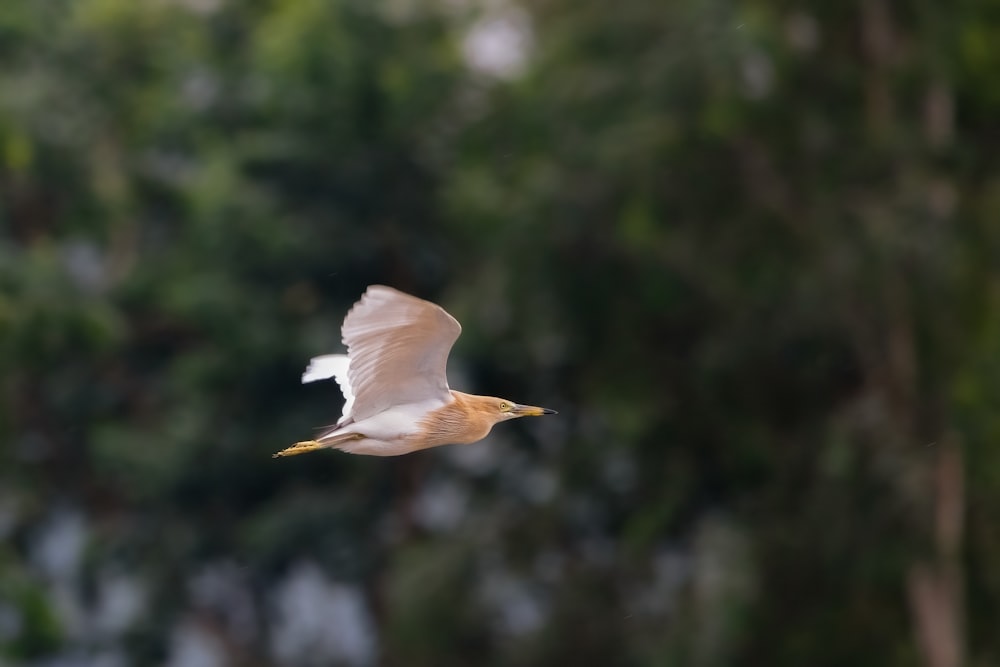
pixel 466 419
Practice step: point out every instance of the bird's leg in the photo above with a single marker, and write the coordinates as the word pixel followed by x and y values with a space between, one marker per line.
pixel 300 448
pixel 330 441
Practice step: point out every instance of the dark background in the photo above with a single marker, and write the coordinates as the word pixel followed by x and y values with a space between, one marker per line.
pixel 749 250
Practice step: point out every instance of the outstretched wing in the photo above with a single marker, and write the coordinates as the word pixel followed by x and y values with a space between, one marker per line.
pixel 335 366
pixel 398 347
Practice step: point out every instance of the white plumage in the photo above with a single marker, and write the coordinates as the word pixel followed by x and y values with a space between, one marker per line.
pixel 332 366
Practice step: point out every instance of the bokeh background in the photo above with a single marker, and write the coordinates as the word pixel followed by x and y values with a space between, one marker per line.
pixel 749 250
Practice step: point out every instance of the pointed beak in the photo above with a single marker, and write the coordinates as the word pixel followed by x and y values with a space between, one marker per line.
pixel 531 411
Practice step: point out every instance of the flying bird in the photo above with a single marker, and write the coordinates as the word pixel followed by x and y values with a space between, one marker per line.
pixel 397 398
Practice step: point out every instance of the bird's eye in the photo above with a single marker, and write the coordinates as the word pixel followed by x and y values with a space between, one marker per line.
pixel 504 406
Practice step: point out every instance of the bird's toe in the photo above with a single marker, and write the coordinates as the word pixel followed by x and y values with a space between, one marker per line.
pixel 299 448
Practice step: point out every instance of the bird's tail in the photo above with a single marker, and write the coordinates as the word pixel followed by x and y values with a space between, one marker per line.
pixel 325 442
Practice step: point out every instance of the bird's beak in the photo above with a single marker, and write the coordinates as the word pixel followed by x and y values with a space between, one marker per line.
pixel 531 411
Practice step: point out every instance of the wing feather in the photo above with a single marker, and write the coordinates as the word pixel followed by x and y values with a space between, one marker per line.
pixel 335 366
pixel 398 347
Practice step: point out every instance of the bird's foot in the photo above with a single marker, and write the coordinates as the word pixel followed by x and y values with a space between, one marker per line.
pixel 299 448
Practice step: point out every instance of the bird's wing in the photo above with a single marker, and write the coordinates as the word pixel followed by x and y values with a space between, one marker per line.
pixel 398 347
pixel 335 366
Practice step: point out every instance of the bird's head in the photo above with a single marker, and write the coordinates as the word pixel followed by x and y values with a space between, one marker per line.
pixel 504 409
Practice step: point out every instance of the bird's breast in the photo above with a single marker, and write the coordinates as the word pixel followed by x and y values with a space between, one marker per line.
pixel 413 426
pixel 454 423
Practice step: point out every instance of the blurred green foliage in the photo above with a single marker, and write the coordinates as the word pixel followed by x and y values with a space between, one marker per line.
pixel 748 250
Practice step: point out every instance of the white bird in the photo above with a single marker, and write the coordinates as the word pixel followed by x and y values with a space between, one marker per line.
pixel 397 398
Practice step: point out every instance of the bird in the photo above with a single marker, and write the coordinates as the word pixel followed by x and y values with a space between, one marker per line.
pixel 393 377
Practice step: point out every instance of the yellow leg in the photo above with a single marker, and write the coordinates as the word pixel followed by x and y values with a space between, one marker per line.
pixel 299 448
